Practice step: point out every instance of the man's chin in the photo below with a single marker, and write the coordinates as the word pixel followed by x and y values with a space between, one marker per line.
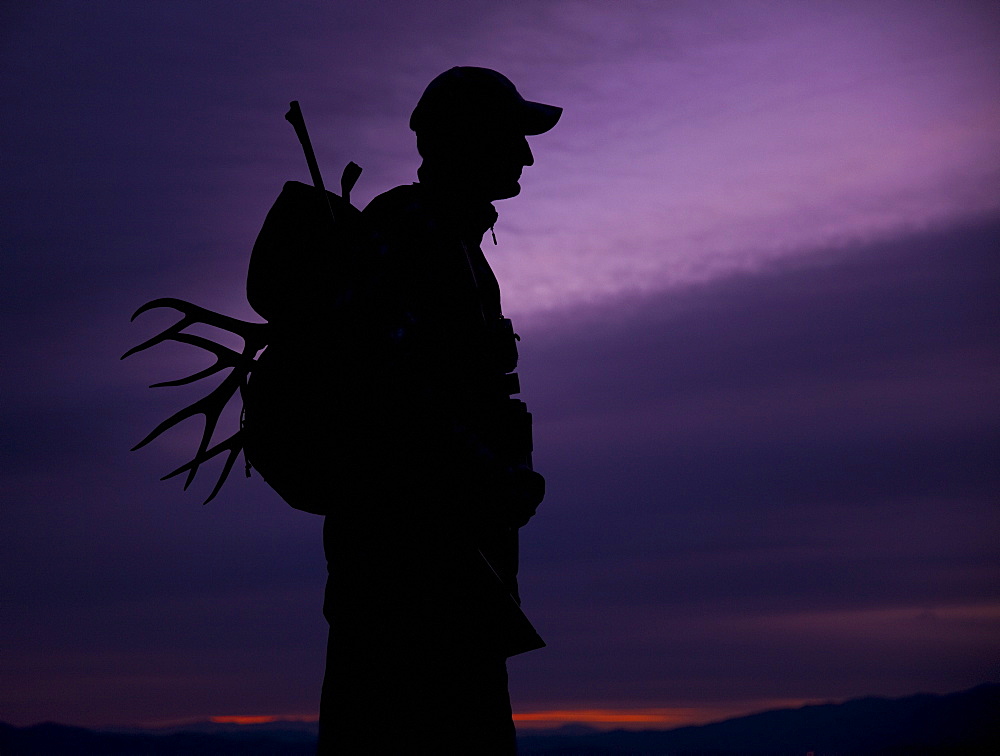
pixel 506 191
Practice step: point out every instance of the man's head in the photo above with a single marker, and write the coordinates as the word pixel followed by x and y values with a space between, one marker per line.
pixel 471 125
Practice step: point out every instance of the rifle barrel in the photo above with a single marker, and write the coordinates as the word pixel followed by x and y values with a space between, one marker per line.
pixel 294 117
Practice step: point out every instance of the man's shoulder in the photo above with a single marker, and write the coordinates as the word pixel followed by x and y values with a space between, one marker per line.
pixel 405 218
pixel 398 205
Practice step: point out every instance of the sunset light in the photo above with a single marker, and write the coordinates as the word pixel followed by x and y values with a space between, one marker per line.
pixel 753 272
pixel 602 718
pixel 643 718
pixel 247 720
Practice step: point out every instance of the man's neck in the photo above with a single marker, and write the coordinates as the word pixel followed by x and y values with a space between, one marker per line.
pixel 474 215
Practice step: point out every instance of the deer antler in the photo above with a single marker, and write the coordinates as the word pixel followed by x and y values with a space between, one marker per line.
pixel 254 335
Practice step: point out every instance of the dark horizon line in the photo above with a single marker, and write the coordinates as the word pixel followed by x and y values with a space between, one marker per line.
pixel 276 722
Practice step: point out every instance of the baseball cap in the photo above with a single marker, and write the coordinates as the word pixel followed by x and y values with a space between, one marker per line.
pixel 470 96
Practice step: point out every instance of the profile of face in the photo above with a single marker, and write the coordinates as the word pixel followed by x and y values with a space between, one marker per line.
pixel 496 163
pixel 484 164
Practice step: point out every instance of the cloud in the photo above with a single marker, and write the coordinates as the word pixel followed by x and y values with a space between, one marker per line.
pixel 764 385
pixel 731 460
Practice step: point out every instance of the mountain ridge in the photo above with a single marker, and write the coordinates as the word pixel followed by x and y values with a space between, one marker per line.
pixel 966 722
pixel 924 724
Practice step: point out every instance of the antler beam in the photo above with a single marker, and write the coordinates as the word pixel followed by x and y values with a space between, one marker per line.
pixel 255 337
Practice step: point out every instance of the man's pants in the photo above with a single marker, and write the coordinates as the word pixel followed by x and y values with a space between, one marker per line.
pixel 385 701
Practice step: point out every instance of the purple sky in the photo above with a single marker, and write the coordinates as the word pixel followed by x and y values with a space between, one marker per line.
pixel 754 268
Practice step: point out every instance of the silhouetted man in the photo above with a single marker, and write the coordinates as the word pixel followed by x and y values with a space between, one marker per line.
pixel 422 546
pixel 384 401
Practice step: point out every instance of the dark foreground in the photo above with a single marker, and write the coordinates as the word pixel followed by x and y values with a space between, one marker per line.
pixel 958 724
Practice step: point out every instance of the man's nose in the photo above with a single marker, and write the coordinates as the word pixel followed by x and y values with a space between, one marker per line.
pixel 526 157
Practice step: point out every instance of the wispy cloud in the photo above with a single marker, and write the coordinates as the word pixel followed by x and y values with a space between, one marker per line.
pixel 758 340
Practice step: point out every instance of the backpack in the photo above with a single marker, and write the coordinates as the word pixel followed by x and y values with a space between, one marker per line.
pixel 304 278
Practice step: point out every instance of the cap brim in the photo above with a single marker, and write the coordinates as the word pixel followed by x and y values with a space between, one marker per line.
pixel 537 118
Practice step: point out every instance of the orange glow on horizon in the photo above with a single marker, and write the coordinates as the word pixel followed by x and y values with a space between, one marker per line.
pixel 602 719
pixel 252 720
pixel 653 718
pixel 604 716
pixel 622 718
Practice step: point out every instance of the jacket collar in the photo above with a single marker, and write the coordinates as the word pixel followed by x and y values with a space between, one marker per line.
pixel 471 218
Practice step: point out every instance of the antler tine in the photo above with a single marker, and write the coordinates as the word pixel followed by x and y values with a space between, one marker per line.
pixel 210 406
pixel 234 445
pixel 211 370
pixel 161 302
pixel 196 313
pixel 227 468
pixel 167 333
pixel 254 335
pixel 222 393
pixel 220 351
pixel 170 422
pixel 224 358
